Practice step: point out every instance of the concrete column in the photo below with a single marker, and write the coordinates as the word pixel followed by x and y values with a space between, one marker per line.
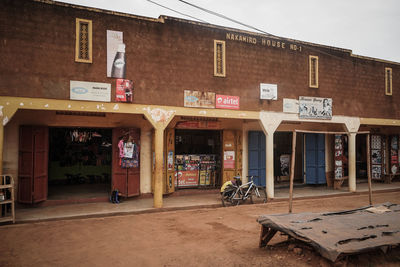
pixel 352 162
pixel 145 160
pixel 269 122
pixel 245 154
pixel 269 149
pixel 158 180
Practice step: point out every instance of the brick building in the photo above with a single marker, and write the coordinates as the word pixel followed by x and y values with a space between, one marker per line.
pixel 207 103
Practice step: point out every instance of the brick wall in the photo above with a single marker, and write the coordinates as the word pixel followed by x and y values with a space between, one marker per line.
pixel 37 52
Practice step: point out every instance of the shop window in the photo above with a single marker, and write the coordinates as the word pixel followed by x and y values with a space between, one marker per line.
pixel 388 81
pixel 219 58
pixel 83 48
pixel 313 70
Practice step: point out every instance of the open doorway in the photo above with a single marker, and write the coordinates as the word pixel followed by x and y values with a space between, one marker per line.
pixel 79 163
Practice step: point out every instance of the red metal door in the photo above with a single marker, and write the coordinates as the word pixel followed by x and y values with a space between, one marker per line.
pixel 127 181
pixel 32 164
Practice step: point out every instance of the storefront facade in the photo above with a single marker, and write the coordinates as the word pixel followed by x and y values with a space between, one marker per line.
pixel 180 104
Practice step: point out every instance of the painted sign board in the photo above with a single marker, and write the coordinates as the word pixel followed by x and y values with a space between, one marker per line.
pixel 187 178
pixel 197 99
pixel 268 91
pixel 290 105
pixel 229 159
pixel 315 108
pixel 227 102
pixel 90 91
pixel 123 90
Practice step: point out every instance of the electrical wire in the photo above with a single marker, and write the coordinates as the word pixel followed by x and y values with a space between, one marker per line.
pixel 173 10
pixel 225 17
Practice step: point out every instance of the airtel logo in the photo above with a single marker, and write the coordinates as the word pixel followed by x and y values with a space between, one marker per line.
pixel 219 100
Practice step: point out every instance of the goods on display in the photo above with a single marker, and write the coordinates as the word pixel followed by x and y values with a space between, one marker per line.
pixel 194 170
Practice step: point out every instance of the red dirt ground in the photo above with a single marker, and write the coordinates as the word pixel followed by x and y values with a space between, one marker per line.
pixel 203 237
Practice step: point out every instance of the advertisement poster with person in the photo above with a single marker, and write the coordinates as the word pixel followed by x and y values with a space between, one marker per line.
pixel 124 91
pixel 116 59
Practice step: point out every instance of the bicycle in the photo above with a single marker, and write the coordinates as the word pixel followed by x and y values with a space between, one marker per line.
pixel 233 194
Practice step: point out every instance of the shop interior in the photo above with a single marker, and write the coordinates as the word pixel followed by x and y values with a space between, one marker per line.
pixel 282 157
pixel 197 158
pixel 361 156
pixel 79 163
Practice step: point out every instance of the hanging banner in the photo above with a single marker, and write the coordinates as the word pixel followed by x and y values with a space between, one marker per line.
pixel 124 91
pixel 197 99
pixel 90 91
pixel 227 102
pixel 114 39
pixel 315 107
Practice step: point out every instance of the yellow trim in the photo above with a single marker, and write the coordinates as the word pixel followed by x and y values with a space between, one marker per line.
pixel 310 78
pixel 382 122
pixel 388 91
pixel 77 58
pixel 223 74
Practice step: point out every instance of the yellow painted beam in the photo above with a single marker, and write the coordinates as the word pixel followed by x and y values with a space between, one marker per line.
pixel 380 122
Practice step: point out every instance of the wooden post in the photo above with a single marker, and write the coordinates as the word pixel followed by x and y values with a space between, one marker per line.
pixel 292 170
pixel 369 169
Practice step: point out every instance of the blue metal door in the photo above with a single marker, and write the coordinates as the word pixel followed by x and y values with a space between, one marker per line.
pixel 257 156
pixel 315 159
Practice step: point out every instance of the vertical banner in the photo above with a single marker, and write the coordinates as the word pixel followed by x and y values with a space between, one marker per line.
pixel 124 91
pixel 115 53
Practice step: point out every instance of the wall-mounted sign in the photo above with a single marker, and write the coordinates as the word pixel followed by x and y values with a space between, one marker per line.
pixel 227 102
pixel 198 125
pixel 197 99
pixel 116 63
pixel 268 91
pixel 124 90
pixel 290 105
pixel 186 178
pixel 90 91
pixel 229 159
pixel 315 107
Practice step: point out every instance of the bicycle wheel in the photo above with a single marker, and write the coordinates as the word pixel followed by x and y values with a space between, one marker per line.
pixel 261 194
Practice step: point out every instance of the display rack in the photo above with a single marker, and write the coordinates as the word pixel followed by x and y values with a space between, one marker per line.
pixel 340 162
pixel 377 157
pixel 7 198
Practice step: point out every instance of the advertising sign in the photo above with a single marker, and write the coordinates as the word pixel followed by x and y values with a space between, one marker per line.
pixel 227 102
pixel 114 40
pixel 268 91
pixel 290 105
pixel 124 91
pixel 90 91
pixel 315 108
pixel 198 125
pixel 229 159
pixel 197 99
pixel 187 178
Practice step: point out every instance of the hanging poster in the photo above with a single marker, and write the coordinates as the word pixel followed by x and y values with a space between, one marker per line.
pixel 197 99
pixel 285 164
pixel 170 160
pixel 315 108
pixel 114 40
pixel 229 159
pixel 124 91
pixel 376 157
pixel 376 171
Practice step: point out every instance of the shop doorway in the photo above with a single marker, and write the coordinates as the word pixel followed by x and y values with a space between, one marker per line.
pixel 315 159
pixel 79 164
pixel 361 156
pixel 197 158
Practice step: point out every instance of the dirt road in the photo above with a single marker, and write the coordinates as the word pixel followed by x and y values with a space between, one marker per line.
pixel 204 237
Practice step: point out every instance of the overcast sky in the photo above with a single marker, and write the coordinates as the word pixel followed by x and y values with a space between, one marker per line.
pixel 367 27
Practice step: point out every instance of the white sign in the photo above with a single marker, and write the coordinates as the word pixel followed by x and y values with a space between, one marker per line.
pixel 268 91
pixel 90 91
pixel 315 108
pixel 290 105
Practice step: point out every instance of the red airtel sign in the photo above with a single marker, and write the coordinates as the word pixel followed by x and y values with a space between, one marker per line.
pixel 227 101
